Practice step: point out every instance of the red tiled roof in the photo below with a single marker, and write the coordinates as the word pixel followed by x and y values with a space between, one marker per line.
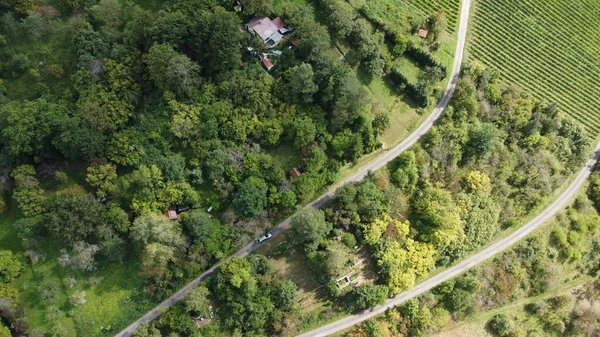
pixel 294 42
pixel 171 213
pixel 267 63
pixel 265 27
pixel 423 33
pixel 278 23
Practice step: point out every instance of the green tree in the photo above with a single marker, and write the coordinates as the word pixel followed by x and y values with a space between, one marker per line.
pixel 197 301
pixel 369 295
pixel 500 325
pixel 464 98
pixel 299 81
pixel 483 140
pixel 303 131
pixel 309 227
pixel 341 18
pixel 108 13
pixel 258 8
pixel 10 266
pixel 125 148
pixel 172 71
pixel 403 263
pixel 4 331
pixel 74 217
pixel 406 175
pixel 27 192
pixel 400 44
pixel 155 260
pixel 186 120
pixel 209 233
pixel 146 330
pixel 103 178
pixel 438 24
pixel 220 43
pixel 285 294
pixel 436 217
pixel 151 228
pixel 28 126
pixel 251 198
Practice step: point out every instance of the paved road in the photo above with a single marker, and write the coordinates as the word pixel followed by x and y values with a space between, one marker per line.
pixel 361 173
pixel 468 263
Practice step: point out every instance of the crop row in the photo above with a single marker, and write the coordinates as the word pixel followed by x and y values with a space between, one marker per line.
pixel 536 58
pixel 541 85
pixel 545 48
pixel 572 107
pixel 573 65
pixel 450 7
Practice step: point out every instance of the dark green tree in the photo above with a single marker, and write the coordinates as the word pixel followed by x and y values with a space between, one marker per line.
pixel 309 227
pixel 251 197
pixel 369 295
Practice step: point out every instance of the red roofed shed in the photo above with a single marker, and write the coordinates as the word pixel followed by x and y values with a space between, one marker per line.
pixel 423 33
pixel 267 63
pixel 171 213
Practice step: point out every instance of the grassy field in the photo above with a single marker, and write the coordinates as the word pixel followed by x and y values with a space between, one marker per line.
pixel 475 326
pixel 113 294
pixel 550 48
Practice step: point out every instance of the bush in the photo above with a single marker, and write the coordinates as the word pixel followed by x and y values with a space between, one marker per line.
pixel 61 178
pixel 415 92
pixel 424 58
pixel 349 240
pixel 500 325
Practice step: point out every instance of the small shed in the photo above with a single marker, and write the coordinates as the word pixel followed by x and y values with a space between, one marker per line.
pixel 171 213
pixel 265 61
pixel 294 42
pixel 295 172
pixel 423 33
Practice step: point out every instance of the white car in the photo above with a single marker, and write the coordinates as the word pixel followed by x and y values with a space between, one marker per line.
pixel 264 238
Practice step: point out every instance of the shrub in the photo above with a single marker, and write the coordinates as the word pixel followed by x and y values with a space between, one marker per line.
pixel 500 325
pixel 415 92
pixel 349 240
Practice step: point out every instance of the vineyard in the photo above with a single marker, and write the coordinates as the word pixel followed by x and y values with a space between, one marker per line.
pixel 548 47
pixel 395 12
pixel 450 7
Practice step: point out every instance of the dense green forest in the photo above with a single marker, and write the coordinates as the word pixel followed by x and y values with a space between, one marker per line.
pixel 114 112
pixel 496 155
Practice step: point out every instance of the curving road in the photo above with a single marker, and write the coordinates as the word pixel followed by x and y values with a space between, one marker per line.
pixel 469 262
pixel 362 172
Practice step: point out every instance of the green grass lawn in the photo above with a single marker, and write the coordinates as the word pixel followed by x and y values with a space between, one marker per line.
pixel 286 155
pixel 112 303
pixel 550 48
pixel 114 294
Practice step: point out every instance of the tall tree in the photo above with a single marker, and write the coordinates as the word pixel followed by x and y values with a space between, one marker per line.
pixel 173 71
pixel 251 198
pixel 309 227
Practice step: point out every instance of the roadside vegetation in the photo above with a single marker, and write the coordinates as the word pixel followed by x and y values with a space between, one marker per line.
pixel 436 203
pixel 547 285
